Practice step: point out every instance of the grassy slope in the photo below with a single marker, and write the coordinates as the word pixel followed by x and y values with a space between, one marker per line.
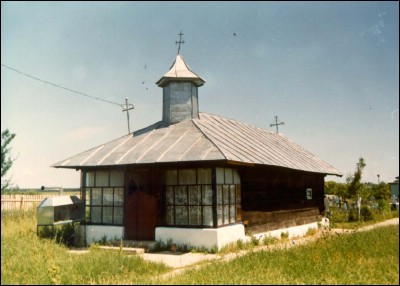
pixel 361 258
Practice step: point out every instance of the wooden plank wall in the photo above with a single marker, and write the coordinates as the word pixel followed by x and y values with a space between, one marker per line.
pixel 274 198
pixel 256 221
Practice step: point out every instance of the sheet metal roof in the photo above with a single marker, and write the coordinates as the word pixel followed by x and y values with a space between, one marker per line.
pixel 59 201
pixel 248 144
pixel 180 71
pixel 208 138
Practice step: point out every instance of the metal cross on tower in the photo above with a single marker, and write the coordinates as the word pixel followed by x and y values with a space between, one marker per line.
pixel 127 107
pixel 276 123
pixel 180 41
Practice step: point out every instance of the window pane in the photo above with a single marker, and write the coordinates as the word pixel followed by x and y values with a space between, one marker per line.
pixel 207 195
pixel 107 196
pixel 236 177
pixel 219 215
pixel 117 178
pixel 181 215
pixel 107 215
pixel 187 177
pixel 195 215
pixel 96 214
pixel 88 192
pixel 228 176
pixel 118 196
pixel 90 179
pixel 87 214
pixel 232 216
pixel 232 194
pixel 105 205
pixel 170 215
pixel 219 195
pixel 238 195
pixel 118 215
pixel 171 177
pixel 226 214
pixel 226 194
pixel 207 216
pixel 102 179
pixel 194 195
pixel 220 176
pixel 181 196
pixel 96 196
pixel 204 176
pixel 238 213
pixel 170 195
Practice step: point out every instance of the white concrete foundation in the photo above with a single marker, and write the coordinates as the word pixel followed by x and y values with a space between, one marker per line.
pixel 201 237
pixel 294 231
pixel 96 233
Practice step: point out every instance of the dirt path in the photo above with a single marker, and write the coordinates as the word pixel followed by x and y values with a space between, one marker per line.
pixel 368 227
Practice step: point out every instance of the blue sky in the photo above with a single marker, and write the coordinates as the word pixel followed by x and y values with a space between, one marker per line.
pixel 328 70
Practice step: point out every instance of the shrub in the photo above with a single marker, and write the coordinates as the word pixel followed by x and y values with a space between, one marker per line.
pixel 353 215
pixel 254 240
pixel 366 213
pixel 338 216
pixel 268 239
pixel 60 233
pixel 162 246
pixel 239 244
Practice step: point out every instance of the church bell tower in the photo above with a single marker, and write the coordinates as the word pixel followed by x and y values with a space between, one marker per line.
pixel 180 91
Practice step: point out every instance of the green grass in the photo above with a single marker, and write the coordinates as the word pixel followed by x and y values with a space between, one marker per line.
pixel 360 258
pixel 340 218
pixel 370 257
pixel 26 259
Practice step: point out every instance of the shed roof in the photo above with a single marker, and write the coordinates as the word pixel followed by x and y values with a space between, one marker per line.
pixel 208 138
pixel 59 201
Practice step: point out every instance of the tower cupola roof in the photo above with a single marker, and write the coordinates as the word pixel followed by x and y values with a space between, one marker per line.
pixel 180 71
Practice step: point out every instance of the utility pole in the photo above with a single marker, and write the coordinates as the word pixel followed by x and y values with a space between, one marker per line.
pixel 127 107
pixel 276 123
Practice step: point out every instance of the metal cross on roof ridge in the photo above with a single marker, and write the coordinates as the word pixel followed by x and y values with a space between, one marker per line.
pixel 180 41
pixel 276 123
pixel 127 107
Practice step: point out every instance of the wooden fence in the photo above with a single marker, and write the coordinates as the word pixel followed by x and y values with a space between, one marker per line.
pixel 22 202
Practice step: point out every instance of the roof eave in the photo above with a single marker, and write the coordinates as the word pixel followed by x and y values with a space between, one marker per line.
pixel 165 80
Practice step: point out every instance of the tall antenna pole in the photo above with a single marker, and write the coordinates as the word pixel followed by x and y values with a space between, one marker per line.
pixel 276 123
pixel 128 106
pixel 180 41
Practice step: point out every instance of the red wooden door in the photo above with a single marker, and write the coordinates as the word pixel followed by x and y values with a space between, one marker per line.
pixel 140 216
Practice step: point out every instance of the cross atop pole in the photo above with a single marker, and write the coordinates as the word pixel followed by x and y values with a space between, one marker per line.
pixel 127 107
pixel 180 41
pixel 276 123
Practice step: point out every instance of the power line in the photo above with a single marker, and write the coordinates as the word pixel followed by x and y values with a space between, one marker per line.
pixel 59 86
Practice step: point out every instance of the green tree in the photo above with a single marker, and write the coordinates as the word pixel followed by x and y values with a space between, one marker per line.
pixel 335 188
pixel 354 181
pixel 381 191
pixel 6 160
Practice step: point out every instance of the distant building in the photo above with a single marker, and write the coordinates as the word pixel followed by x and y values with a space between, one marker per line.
pixel 197 178
pixel 394 187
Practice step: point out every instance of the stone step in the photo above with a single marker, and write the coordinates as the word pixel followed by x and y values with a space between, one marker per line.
pixel 124 250
pixel 144 244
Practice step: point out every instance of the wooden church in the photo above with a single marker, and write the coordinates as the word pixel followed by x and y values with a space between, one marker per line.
pixel 197 178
